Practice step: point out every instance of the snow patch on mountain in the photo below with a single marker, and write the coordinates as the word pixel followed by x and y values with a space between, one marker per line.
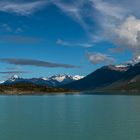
pixel 61 78
pixel 77 77
pixel 121 66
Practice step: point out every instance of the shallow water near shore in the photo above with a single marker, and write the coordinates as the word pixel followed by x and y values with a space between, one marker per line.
pixel 70 117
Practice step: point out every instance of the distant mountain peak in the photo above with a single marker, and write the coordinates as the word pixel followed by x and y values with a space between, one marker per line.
pixel 14 77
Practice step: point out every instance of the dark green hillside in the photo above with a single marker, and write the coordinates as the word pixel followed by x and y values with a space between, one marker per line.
pixel 129 82
pixel 28 88
pixel 127 85
pixel 100 78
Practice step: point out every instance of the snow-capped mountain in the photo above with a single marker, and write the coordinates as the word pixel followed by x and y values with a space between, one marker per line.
pixel 14 77
pixel 64 77
pixel 52 81
pixel 127 65
pixel 61 79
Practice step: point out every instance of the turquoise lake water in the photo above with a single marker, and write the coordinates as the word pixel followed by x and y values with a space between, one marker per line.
pixel 70 117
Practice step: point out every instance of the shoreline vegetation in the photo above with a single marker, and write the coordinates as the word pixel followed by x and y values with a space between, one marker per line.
pixel 31 89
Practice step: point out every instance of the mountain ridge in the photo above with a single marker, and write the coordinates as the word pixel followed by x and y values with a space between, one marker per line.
pixel 51 81
pixel 105 77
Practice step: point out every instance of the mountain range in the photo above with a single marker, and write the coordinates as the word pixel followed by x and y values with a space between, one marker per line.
pixel 53 81
pixel 124 77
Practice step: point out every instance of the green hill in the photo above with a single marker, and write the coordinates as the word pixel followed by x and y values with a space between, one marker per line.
pixel 28 88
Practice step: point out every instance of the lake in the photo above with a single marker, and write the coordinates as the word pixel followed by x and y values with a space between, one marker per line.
pixel 70 117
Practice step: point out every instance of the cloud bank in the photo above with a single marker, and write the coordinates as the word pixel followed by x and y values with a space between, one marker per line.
pixel 37 63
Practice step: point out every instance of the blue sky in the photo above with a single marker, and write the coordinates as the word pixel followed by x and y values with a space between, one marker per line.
pixel 47 37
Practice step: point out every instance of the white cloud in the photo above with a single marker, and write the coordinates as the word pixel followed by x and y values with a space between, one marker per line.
pixel 128 33
pixel 119 23
pixel 73 10
pixel 109 9
pixel 18 30
pixel 99 58
pixel 21 8
pixel 6 27
pixel 69 44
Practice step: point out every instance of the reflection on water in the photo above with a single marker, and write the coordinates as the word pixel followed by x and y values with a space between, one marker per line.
pixel 71 117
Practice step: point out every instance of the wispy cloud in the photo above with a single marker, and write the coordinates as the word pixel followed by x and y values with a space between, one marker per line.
pixel 109 9
pixel 105 14
pixel 80 11
pixel 37 63
pixel 69 44
pixel 16 68
pixel 13 72
pixel 7 28
pixel 19 39
pixel 72 10
pixel 99 58
pixel 22 8
pixel 18 30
